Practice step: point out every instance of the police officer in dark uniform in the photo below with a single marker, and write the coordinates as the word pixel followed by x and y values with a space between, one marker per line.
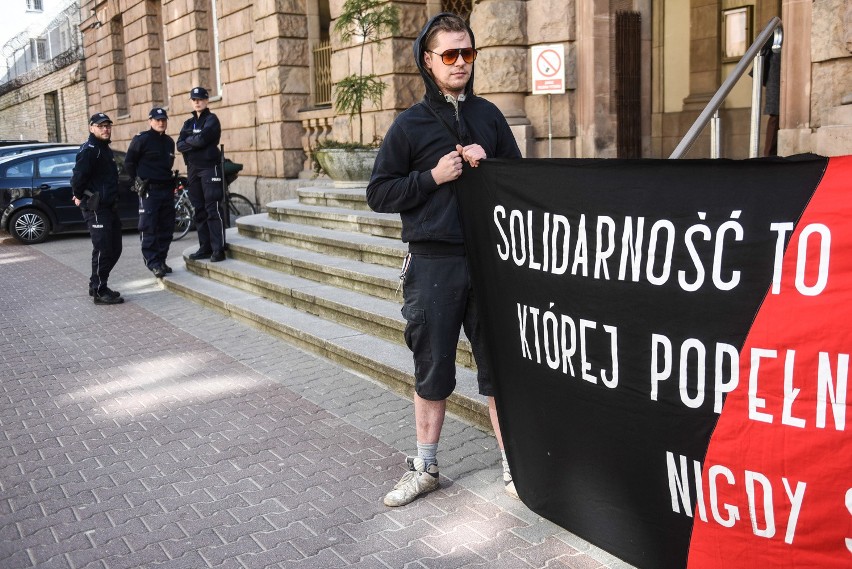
pixel 199 144
pixel 94 182
pixel 149 162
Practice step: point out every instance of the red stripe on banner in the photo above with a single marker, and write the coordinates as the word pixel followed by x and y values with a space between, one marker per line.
pixel 777 479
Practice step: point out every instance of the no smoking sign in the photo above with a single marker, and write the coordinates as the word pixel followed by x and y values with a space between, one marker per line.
pixel 548 69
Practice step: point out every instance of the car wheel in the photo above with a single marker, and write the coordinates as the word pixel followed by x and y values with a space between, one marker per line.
pixel 29 226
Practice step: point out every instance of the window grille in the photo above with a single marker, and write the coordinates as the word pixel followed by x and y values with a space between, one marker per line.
pixel 38 50
pixel 628 46
pixel 35 5
pixel 462 8
pixel 322 73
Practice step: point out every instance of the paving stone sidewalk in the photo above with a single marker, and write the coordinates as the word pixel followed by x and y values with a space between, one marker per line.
pixel 158 433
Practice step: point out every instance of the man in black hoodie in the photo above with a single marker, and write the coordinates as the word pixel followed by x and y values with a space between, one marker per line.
pixel 199 143
pixel 94 182
pixel 425 150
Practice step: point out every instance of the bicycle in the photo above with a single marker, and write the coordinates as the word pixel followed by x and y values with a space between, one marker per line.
pixel 238 206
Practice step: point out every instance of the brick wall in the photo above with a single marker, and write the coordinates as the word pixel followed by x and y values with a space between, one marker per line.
pixel 263 74
pixel 24 114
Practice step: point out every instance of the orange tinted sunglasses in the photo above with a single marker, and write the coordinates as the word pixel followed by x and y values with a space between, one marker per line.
pixel 449 57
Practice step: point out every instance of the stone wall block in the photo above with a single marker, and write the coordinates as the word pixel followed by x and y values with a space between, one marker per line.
pixel 235 117
pixel 483 18
pixel 133 30
pixel 269 163
pixel 281 25
pixel 282 80
pixel 405 90
pixel 289 135
pixel 268 110
pixel 412 18
pixel 281 51
pixel 828 30
pixel 227 7
pixel 564 120
pixel 240 68
pixel 240 92
pixel 292 163
pixel 237 137
pixel 830 81
pixel 394 56
pixel 180 26
pixel 507 70
pixel 550 21
pixel 339 66
pixel 181 65
pixel 236 46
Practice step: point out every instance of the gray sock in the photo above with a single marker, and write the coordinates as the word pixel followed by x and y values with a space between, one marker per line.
pixel 428 452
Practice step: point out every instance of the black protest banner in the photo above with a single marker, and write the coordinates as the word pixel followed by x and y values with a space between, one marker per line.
pixel 669 342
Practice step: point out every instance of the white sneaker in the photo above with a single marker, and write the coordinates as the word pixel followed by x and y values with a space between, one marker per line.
pixel 510 485
pixel 418 480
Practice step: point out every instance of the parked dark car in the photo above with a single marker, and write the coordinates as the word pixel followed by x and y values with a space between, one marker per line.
pixel 35 195
pixel 8 142
pixel 21 148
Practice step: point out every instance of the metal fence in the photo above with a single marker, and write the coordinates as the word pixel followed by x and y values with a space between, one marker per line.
pixel 33 54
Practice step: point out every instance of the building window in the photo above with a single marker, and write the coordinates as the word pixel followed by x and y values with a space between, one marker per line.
pixel 38 50
pixel 35 5
pixel 736 33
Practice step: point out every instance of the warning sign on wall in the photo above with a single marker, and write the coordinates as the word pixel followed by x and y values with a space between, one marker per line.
pixel 548 69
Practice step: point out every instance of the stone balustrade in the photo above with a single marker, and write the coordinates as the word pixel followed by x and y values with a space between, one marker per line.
pixel 316 127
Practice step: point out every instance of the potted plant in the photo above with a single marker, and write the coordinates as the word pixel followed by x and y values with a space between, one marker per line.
pixel 367 21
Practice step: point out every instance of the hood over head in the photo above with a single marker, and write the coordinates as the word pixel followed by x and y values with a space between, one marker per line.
pixel 432 90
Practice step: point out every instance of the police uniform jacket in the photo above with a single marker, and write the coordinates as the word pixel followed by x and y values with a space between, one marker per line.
pixel 199 139
pixel 96 171
pixel 151 156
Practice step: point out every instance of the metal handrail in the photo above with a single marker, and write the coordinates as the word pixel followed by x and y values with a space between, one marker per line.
pixel 723 91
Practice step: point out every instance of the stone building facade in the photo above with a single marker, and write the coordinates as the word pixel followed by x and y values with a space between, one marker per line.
pixel 816 75
pixel 257 60
pixel 261 62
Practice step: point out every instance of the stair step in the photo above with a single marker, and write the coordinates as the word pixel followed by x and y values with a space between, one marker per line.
pixel 368 222
pixel 335 197
pixel 303 281
pixel 358 246
pixel 354 275
pixel 382 360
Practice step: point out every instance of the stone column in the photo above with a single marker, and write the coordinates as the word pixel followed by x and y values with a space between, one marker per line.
pixel 795 119
pixel 501 74
pixel 281 83
pixel 704 60
pixel 595 118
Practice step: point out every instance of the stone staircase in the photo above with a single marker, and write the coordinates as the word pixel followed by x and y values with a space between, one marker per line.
pixel 322 272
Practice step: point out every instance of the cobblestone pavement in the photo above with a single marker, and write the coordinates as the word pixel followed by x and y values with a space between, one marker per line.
pixel 158 433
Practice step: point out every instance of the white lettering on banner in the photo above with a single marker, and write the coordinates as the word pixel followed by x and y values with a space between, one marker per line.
pixel 758 489
pixel 726 370
pixel 693 363
pixel 560 337
pixel 822 252
pixel 849 509
pixel 520 231
pixel 831 384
